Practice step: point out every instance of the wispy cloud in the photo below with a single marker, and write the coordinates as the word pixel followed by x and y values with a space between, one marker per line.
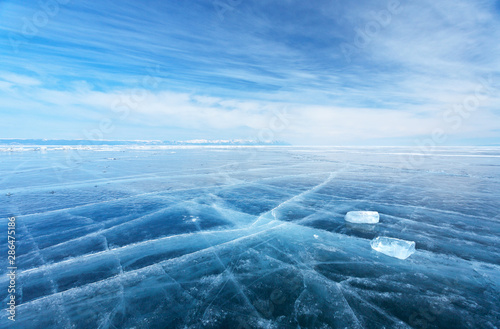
pixel 17 79
pixel 224 78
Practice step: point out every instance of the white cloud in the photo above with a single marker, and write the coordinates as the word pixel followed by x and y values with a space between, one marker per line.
pixel 21 80
pixel 4 85
pixel 303 124
pixel 238 73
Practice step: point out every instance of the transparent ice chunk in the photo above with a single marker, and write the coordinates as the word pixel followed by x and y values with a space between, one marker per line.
pixel 393 247
pixel 362 217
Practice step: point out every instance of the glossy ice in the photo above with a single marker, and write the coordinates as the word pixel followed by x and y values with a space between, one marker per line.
pixel 237 237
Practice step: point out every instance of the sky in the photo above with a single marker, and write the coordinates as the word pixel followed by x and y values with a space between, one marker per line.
pixel 306 72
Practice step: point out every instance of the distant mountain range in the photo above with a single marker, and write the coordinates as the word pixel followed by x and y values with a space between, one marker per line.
pixel 73 142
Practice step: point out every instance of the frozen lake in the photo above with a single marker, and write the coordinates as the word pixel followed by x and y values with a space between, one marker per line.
pixel 251 237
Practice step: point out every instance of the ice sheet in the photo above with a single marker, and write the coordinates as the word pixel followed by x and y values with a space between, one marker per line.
pixel 251 238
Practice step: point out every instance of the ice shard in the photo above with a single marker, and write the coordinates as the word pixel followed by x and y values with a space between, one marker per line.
pixel 393 247
pixel 362 217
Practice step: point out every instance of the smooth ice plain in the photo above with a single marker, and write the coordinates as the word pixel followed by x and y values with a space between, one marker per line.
pixel 236 237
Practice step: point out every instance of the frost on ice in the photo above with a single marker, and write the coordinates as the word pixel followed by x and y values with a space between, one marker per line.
pixel 393 247
pixel 362 217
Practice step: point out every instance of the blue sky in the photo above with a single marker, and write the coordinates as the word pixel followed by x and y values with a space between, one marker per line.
pixel 307 72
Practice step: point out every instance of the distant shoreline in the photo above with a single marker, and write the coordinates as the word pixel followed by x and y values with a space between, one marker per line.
pixel 83 142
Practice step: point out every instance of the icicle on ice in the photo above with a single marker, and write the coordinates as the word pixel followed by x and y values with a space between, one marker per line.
pixel 362 217
pixel 393 247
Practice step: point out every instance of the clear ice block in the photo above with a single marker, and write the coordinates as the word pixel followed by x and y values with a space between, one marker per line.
pixel 393 247
pixel 362 217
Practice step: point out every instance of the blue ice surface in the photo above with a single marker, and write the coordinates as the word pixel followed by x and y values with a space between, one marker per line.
pixel 251 237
